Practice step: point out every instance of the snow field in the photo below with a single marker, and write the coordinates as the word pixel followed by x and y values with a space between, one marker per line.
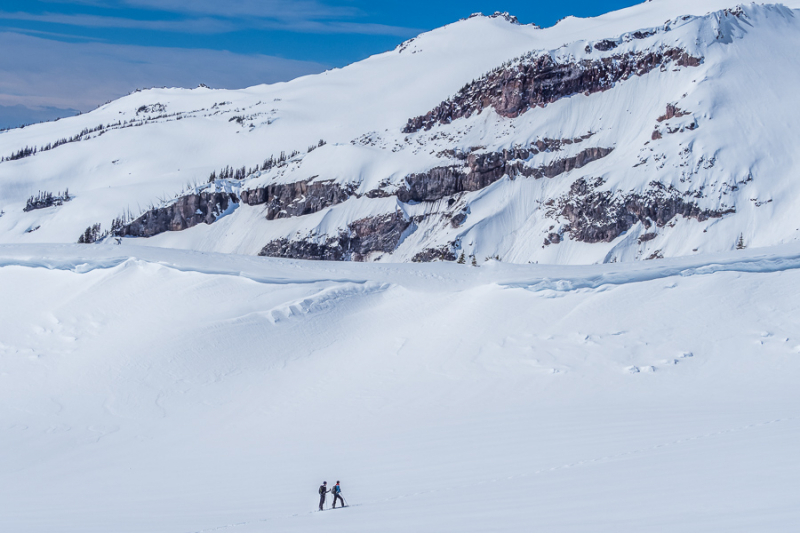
pixel 161 390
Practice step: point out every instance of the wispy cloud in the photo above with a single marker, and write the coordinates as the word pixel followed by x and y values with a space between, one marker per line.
pixel 360 28
pixel 20 115
pixel 278 9
pixel 44 72
pixel 271 9
pixel 211 25
pixel 213 16
pixel 56 35
pixel 195 25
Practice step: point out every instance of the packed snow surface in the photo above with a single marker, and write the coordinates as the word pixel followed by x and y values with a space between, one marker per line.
pixel 144 389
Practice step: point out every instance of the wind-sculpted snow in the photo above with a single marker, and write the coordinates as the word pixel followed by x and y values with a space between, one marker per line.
pixel 148 389
pixel 756 265
pixel 76 259
pixel 327 299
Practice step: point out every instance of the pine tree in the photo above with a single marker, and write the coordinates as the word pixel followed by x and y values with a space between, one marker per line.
pixel 740 243
pixel 90 235
pixel 461 258
pixel 474 261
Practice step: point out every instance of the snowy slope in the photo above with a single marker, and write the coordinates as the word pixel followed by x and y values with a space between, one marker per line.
pixel 156 390
pixel 176 383
pixel 731 158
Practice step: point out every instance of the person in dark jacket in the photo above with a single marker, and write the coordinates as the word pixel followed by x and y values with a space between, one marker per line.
pixel 337 494
pixel 323 490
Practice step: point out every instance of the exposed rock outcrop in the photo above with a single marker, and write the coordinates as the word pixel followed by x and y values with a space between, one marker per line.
pixel 540 80
pixel 364 236
pixel 296 199
pixel 443 253
pixel 602 216
pixel 552 238
pixel 672 112
pixel 505 15
pixel 185 212
pixel 605 45
pixel 484 169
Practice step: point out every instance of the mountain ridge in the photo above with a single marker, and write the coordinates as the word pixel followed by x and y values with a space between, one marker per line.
pixel 485 158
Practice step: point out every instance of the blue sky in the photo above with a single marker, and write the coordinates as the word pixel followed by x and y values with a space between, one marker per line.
pixel 76 54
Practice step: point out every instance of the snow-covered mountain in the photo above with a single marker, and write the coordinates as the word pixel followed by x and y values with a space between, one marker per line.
pixel 667 129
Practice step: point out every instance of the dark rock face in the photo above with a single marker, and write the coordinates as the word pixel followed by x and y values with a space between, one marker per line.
pixel 541 80
pixel 327 251
pixel 605 45
pixel 296 199
pixel 186 212
pixel 374 234
pixel 485 169
pixel 642 34
pixel 364 236
pixel 444 253
pixel 381 234
pixel 458 219
pixel 602 216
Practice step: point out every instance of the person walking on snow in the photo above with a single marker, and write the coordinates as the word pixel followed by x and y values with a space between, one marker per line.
pixel 323 490
pixel 337 494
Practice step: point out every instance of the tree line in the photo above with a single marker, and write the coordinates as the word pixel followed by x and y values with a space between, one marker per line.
pixel 45 199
